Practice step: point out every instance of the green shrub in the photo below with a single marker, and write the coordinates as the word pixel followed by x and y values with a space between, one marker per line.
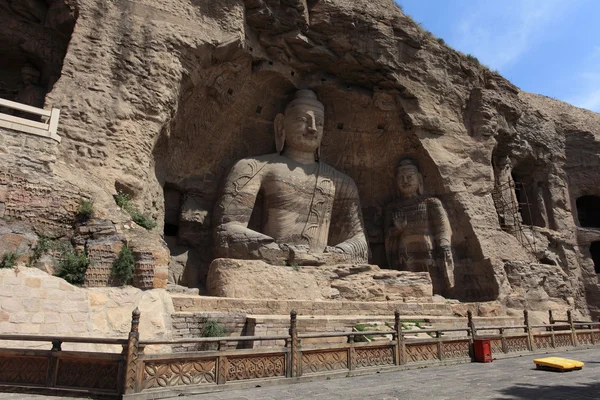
pixel 473 59
pixel 9 259
pixel 72 265
pixel 362 328
pixel 85 210
pixel 44 245
pixel 213 328
pixel 123 200
pixel 124 265
pixel 143 220
pixel 441 41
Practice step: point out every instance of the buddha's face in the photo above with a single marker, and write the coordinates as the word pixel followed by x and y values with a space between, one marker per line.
pixel 408 180
pixel 303 125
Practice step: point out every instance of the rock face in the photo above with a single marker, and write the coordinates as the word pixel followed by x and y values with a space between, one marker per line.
pixel 259 280
pixel 159 99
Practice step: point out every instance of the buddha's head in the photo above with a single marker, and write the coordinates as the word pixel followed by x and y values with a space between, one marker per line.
pixel 409 179
pixel 301 125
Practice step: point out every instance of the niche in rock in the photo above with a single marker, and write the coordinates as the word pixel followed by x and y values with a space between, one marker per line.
pixel 588 211
pixel 34 36
pixel 532 198
pixel 595 251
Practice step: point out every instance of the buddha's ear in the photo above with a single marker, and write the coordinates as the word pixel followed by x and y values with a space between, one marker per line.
pixel 420 190
pixel 279 132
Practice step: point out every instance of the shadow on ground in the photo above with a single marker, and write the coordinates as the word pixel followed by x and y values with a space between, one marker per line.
pixel 575 391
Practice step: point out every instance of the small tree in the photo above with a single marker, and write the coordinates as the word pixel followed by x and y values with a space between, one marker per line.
pixel 124 265
pixel 72 265
pixel 85 210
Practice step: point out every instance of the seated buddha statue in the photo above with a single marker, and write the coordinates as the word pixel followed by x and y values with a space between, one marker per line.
pixel 311 212
pixel 417 231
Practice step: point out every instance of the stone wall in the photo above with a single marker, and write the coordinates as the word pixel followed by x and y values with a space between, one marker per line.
pixel 33 302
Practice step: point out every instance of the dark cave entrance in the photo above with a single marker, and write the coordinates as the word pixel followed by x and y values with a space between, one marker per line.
pixel 533 199
pixel 34 36
pixel 173 200
pixel 595 251
pixel 588 211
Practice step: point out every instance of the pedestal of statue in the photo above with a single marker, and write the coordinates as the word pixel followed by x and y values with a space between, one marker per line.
pixel 253 279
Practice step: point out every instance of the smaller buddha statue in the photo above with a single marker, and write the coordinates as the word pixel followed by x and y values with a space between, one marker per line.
pixel 417 230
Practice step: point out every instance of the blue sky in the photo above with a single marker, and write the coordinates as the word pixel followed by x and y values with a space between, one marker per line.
pixel 550 47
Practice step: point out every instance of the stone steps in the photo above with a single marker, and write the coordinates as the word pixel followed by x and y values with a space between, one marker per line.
pixel 191 303
pixel 260 317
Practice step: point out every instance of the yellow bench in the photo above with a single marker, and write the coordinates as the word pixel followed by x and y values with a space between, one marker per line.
pixel 557 364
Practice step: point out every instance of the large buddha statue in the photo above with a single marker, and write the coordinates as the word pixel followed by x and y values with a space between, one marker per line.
pixel 417 230
pixel 310 212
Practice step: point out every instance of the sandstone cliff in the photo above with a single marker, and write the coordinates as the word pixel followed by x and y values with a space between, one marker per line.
pixel 160 97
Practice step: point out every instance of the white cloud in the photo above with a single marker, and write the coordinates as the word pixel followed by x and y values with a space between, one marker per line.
pixel 588 91
pixel 499 32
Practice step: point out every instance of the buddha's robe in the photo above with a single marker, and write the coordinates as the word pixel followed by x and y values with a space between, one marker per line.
pixel 312 206
pixel 418 237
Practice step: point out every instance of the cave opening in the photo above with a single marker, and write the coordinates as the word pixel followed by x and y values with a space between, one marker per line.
pixel 34 36
pixel 588 211
pixel 533 199
pixel 595 251
pixel 172 198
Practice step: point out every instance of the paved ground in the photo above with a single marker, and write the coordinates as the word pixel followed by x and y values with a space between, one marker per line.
pixel 513 378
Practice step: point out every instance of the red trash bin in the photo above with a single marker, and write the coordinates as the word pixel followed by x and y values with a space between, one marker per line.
pixel 483 350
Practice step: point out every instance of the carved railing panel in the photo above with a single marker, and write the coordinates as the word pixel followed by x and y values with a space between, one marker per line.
pixel 516 344
pixel 88 374
pixel 596 336
pixel 23 370
pixel 496 346
pixel 456 349
pixel 374 356
pixel 179 373
pixel 418 352
pixel 543 341
pixel 584 338
pixel 256 367
pixel 323 361
pixel 562 339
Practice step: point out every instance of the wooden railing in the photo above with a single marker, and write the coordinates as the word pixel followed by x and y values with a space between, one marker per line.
pixel 135 374
pixel 45 129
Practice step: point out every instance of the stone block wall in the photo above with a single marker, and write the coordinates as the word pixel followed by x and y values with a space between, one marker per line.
pixel 33 302
pixel 190 325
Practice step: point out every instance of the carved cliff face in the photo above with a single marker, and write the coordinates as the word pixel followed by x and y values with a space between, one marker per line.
pixel 303 128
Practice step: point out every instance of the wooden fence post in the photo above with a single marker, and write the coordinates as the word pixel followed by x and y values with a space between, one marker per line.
pixel 294 362
pixel 53 363
pixel 400 342
pixel 396 337
pixel 471 332
pixel 132 355
pixel 574 340
pixel 351 353
pixel 503 340
pixel 440 346
pixel 530 339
